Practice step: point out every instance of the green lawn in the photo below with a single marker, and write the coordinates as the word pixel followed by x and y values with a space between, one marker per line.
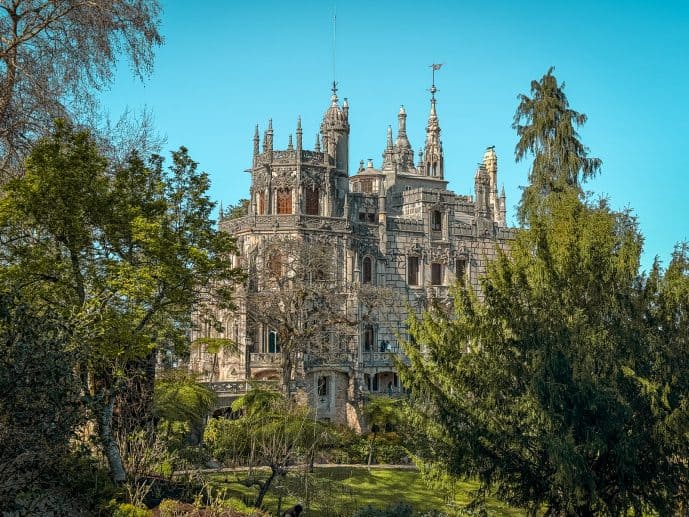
pixel 339 491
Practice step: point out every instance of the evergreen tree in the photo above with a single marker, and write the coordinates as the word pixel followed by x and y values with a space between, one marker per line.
pixel 562 384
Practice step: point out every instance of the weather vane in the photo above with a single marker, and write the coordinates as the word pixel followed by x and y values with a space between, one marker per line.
pixel 434 67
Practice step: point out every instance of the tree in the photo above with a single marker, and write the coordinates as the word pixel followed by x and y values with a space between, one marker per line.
pixel 565 383
pixel 294 291
pixel 55 53
pixel 122 256
pixel 280 431
pixel 380 413
pixel 40 411
pixel 547 129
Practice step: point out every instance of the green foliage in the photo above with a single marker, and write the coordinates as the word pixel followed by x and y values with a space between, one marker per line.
pixel 236 211
pixel 565 383
pixel 121 254
pixel 40 414
pixel 179 399
pixel 129 510
pixel 547 129
pixel 227 441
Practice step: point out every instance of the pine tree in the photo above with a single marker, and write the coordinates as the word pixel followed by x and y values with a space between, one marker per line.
pixel 562 385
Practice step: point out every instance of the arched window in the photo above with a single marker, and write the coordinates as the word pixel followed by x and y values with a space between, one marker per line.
pixel 311 201
pixel 323 386
pixel 261 197
pixel 436 274
pixel 461 270
pixel 436 221
pixel 366 273
pixel 369 338
pixel 284 201
pixel 273 343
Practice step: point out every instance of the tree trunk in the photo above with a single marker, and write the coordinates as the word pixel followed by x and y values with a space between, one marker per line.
pixel 264 487
pixel 112 452
pixel 370 449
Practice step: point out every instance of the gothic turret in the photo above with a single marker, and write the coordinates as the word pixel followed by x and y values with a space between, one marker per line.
pixel 389 153
pixel 405 154
pixel 433 152
pixel 482 191
pixel 335 127
pixel 490 161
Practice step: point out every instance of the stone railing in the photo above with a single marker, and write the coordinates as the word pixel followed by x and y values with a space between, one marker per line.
pixel 265 359
pixel 332 359
pixel 274 221
pixel 227 387
pixel 382 358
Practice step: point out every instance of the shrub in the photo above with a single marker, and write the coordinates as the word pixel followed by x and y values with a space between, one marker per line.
pixel 129 510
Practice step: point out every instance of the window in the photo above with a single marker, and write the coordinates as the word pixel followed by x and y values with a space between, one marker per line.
pixel 366 274
pixel 273 344
pixel 413 270
pixel 368 338
pixel 436 221
pixel 461 271
pixel 261 203
pixel 284 200
pixel 371 217
pixel 312 207
pixel 367 186
pixel 362 217
pixel 436 274
pixel 323 386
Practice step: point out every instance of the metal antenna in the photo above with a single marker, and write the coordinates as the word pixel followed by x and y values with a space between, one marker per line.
pixel 334 41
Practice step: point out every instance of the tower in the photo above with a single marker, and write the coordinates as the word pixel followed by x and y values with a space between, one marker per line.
pixel 335 131
pixel 433 151
pixel 405 154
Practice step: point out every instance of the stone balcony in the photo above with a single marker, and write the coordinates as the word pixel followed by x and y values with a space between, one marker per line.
pixel 334 359
pixel 382 358
pixel 265 360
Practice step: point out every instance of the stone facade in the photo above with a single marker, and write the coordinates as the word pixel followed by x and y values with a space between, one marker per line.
pixel 397 227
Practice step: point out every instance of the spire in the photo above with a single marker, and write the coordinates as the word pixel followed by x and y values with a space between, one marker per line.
pixel 256 141
pixel 389 153
pixel 433 162
pixel 405 155
pixel 268 139
pixel 299 135
pixel 290 145
pixel 317 147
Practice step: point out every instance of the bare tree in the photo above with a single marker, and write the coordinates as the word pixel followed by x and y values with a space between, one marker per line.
pixel 296 292
pixel 54 54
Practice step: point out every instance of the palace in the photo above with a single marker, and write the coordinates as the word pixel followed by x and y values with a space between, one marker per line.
pixel 397 228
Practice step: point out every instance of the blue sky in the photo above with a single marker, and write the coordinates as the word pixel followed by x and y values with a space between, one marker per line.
pixel 227 66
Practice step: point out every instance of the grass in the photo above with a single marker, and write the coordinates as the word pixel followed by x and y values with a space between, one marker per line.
pixel 339 491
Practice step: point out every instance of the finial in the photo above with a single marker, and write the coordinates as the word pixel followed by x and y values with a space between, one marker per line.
pixel 299 123
pixel 270 124
pixel 370 163
pixel 389 137
pixel 345 104
pixel 361 165
pixel 220 211
pixel 334 95
pixel 317 147
pixel 402 110
pixel 434 67
pixel 256 141
pixel 290 147
pixel 420 164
